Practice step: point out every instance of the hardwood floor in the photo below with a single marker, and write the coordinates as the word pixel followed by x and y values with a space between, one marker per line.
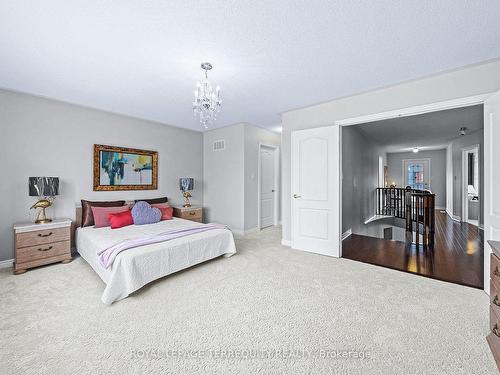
pixel 457 256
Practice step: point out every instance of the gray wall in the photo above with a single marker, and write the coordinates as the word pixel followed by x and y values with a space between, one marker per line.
pixel 231 183
pixel 438 171
pixel 474 80
pixel 359 178
pixel 223 193
pixel 41 137
pixel 253 137
pixel 456 146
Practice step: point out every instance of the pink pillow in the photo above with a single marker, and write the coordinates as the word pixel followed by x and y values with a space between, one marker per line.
pixel 120 219
pixel 167 211
pixel 101 215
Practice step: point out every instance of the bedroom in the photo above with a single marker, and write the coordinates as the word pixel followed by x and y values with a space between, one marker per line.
pixel 82 74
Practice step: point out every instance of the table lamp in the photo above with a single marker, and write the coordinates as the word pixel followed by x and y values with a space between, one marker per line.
pixel 186 184
pixel 45 188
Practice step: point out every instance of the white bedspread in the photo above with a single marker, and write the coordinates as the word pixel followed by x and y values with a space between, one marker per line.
pixel 134 268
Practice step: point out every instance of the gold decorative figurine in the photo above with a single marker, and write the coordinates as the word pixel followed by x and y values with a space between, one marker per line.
pixel 43 204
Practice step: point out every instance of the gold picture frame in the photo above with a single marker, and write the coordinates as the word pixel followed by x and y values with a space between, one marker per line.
pixel 121 168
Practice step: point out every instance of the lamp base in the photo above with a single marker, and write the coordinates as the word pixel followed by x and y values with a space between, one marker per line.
pixel 43 221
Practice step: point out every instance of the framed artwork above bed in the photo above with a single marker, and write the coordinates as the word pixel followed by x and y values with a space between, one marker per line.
pixel 120 168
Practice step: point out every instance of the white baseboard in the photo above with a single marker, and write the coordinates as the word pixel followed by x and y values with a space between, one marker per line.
pixel 481 227
pixel 440 208
pixel 286 242
pixel 7 263
pixel 454 217
pixel 346 234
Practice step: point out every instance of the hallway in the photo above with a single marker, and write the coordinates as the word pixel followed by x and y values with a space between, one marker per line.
pixel 457 256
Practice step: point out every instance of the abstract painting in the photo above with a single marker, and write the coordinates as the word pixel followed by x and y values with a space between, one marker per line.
pixel 119 168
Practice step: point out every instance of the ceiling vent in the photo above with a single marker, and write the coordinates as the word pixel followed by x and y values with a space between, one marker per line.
pixel 219 145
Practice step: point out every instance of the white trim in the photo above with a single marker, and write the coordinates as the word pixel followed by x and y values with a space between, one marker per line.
pixel 416 110
pixel 440 208
pixel 286 242
pixel 449 179
pixel 464 195
pixel 276 182
pixel 454 217
pixel 7 263
pixel 346 234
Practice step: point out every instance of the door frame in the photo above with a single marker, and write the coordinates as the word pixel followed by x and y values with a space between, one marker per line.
pixel 276 182
pixel 417 110
pixel 465 203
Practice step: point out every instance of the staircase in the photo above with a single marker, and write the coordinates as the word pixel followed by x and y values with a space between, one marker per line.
pixel 416 207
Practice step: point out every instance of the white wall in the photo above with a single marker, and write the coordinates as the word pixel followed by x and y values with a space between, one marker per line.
pixel 437 160
pixel 223 193
pixel 474 80
pixel 41 137
pixel 231 183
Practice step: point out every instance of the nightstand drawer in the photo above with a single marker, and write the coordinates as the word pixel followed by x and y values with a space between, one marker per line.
pixel 41 237
pixel 28 254
pixel 191 214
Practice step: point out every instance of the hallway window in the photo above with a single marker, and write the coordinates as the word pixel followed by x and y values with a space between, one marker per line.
pixel 416 173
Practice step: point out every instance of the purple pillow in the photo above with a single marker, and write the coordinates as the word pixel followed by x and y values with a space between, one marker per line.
pixel 143 213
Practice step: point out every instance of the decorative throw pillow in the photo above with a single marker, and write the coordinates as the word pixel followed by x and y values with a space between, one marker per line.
pixel 101 215
pixel 143 213
pixel 120 219
pixel 167 211
pixel 87 215
pixel 153 200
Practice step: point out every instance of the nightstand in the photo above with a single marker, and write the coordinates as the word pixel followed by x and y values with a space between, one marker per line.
pixel 189 213
pixel 39 244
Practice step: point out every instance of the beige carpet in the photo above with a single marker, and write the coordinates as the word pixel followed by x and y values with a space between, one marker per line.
pixel 268 310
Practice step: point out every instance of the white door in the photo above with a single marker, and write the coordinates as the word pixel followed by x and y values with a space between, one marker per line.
pixel 316 187
pixel 267 188
pixel 491 179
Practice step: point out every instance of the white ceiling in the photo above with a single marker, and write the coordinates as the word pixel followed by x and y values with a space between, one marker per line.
pixel 141 58
pixel 429 131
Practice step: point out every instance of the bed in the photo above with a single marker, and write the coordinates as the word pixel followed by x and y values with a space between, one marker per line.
pixel 134 268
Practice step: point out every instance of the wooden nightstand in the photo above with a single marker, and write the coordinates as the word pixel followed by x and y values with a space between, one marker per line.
pixel 39 244
pixel 189 213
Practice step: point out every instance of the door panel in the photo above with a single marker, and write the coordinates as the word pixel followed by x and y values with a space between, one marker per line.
pixel 313 163
pixel 267 188
pixel 316 190
pixel 491 178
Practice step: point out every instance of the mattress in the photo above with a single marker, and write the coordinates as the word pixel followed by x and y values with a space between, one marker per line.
pixel 134 268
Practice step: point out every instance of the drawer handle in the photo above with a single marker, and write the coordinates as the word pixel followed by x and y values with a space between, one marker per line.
pixel 192 213
pixel 496 301
pixel 45 235
pixel 46 249
pixel 496 331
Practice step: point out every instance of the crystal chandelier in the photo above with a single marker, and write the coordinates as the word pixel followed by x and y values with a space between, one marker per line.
pixel 207 102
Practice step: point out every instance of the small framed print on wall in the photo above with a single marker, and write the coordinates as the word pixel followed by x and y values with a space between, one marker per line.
pixel 120 168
